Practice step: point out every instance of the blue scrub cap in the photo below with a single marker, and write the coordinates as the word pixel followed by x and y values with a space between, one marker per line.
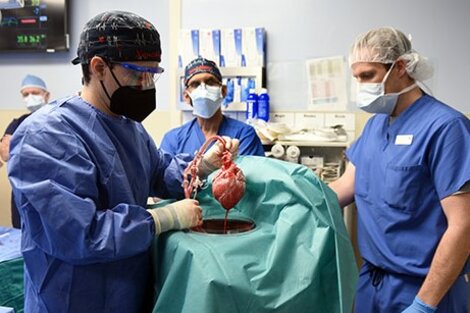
pixel 33 81
pixel 201 65
pixel 119 36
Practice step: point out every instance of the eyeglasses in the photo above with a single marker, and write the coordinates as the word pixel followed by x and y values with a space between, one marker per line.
pixel 147 76
pixel 208 82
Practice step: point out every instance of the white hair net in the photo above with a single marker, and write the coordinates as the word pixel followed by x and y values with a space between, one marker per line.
pixel 386 45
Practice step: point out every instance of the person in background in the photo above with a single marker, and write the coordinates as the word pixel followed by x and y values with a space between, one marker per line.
pixel 35 95
pixel 82 170
pixel 205 93
pixel 409 174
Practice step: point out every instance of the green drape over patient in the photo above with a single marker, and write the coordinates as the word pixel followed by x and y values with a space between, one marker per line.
pixel 298 258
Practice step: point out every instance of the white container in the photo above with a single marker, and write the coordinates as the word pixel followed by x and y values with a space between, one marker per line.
pixel 292 154
pixel 312 161
pixel 209 44
pixel 231 47
pixel 188 46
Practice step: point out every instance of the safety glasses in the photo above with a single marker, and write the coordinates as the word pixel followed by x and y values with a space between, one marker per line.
pixel 142 69
pixel 137 75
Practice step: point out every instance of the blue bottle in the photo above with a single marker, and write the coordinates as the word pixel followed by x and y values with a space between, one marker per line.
pixel 230 93
pixel 263 105
pixel 252 105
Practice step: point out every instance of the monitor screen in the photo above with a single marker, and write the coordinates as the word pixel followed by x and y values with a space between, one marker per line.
pixel 41 25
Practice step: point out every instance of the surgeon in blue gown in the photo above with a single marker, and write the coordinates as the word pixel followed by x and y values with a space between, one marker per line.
pixel 205 92
pixel 82 169
pixel 409 174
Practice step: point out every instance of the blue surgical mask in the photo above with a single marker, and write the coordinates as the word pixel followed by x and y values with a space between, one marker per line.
pixel 206 100
pixel 371 97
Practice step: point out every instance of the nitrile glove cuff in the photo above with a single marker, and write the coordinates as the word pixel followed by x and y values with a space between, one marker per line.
pixel 425 308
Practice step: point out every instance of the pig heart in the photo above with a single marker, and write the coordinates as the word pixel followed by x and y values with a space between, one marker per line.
pixel 228 187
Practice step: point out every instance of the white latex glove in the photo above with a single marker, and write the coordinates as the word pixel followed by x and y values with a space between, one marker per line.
pixel 178 215
pixel 212 158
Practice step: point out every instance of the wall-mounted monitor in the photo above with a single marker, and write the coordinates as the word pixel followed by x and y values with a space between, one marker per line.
pixel 40 25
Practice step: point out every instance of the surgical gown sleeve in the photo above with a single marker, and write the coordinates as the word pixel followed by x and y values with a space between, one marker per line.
pixel 61 188
pixel 169 170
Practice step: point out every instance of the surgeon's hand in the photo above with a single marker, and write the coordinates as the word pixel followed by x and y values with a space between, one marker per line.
pixel 178 215
pixel 212 158
pixel 419 306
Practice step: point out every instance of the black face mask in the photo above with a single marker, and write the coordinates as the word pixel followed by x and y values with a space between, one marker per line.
pixel 131 102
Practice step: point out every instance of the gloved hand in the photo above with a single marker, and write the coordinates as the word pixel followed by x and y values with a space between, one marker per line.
pixel 212 158
pixel 419 306
pixel 178 215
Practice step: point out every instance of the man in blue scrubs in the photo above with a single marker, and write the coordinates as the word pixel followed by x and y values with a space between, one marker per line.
pixel 35 94
pixel 205 92
pixel 82 169
pixel 409 174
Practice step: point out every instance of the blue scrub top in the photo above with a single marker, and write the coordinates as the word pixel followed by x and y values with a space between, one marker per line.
pixel 189 137
pixel 81 180
pixel 403 170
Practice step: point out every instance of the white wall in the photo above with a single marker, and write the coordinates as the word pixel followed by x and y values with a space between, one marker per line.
pixel 63 78
pixel 302 29
pixel 297 30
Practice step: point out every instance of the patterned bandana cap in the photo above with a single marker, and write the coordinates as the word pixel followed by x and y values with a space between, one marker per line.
pixel 119 36
pixel 201 65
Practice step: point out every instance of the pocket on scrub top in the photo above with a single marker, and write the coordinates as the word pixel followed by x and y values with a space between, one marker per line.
pixel 402 186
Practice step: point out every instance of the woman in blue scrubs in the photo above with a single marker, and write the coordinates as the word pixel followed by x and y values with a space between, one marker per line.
pixel 82 169
pixel 409 174
pixel 205 92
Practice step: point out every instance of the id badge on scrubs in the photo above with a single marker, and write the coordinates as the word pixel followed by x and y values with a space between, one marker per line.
pixel 403 140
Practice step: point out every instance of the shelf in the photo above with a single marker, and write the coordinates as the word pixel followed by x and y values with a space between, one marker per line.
pixel 242 71
pixel 234 107
pixel 254 71
pixel 340 144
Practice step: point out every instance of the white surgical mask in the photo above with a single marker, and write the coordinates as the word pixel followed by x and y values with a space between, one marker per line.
pixel 34 102
pixel 371 97
pixel 206 100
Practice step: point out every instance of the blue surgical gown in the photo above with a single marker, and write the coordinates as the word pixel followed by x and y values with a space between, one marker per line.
pixel 81 180
pixel 189 137
pixel 403 170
